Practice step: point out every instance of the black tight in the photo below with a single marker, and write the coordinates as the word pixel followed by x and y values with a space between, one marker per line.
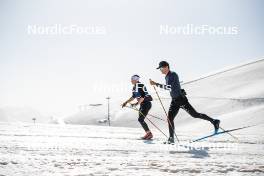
pixel 183 103
pixel 144 109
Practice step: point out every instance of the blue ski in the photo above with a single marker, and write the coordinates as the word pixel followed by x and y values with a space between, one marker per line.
pixel 221 132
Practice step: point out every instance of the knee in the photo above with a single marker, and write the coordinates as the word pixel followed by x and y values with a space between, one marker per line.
pixel 195 114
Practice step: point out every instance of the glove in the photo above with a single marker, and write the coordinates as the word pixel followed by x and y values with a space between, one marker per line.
pixel 134 104
pixel 153 83
pixel 124 104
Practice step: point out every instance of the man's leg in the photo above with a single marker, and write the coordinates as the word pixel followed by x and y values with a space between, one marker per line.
pixel 173 111
pixel 144 109
pixel 188 108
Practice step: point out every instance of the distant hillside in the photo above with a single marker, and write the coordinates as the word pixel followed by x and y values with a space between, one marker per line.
pixel 220 94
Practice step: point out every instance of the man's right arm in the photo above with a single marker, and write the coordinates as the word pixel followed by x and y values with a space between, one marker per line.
pixel 163 86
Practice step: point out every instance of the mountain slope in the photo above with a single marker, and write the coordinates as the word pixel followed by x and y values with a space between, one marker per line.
pixel 220 95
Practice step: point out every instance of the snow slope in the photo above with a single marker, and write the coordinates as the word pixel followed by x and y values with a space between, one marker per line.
pixel 77 150
pixel 234 96
pixel 221 94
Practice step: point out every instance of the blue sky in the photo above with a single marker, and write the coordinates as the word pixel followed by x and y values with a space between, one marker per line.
pixel 55 73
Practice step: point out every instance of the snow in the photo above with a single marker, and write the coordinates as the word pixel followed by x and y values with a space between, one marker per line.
pixel 39 149
pixel 235 96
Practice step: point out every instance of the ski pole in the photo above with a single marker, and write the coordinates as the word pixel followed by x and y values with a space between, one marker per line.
pixel 165 113
pixel 229 134
pixel 148 114
pixel 240 128
pixel 148 120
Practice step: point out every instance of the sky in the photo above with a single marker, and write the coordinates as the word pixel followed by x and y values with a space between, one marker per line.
pixel 56 73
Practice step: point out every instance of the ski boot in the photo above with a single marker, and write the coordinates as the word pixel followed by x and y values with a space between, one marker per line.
pixel 147 136
pixel 216 123
pixel 170 141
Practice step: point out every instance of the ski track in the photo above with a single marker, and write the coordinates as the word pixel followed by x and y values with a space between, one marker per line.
pixel 90 150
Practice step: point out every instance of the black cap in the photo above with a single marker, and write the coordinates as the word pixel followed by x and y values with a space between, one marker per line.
pixel 163 64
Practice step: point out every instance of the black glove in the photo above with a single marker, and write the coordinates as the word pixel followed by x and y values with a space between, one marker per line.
pixel 124 104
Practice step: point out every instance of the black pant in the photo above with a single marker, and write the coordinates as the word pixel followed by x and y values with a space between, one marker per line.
pixel 144 109
pixel 182 102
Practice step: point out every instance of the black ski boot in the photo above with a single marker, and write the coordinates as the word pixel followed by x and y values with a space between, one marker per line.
pixel 170 141
pixel 216 123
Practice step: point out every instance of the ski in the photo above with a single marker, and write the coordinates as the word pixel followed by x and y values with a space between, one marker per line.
pixel 229 134
pixel 142 139
pixel 221 132
pixel 170 143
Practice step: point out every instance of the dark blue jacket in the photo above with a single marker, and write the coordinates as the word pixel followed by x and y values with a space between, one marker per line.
pixel 140 91
pixel 172 84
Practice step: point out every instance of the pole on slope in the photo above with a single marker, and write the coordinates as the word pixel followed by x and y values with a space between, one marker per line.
pixel 169 122
pixel 229 134
pixel 148 114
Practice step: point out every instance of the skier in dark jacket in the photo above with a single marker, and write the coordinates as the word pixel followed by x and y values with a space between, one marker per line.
pixel 179 100
pixel 140 93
